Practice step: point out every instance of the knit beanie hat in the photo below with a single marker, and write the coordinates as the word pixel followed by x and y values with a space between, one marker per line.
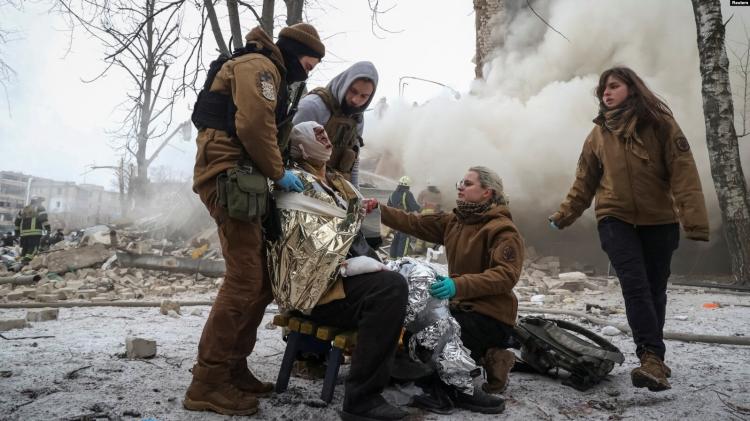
pixel 304 39
pixel 304 145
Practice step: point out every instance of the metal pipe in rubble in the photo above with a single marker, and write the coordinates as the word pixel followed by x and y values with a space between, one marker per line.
pixel 20 279
pixel 675 336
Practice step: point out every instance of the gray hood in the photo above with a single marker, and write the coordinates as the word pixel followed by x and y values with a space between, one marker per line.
pixel 340 84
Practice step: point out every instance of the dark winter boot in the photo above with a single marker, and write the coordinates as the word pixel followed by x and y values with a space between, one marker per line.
pixel 478 402
pixel 497 364
pixel 650 374
pixel 212 390
pixel 435 399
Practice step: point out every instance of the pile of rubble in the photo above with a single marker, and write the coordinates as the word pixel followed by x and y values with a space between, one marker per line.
pixel 542 281
pixel 104 265
pixel 100 285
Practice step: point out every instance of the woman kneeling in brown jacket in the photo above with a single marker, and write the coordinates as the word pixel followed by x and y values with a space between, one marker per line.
pixel 485 257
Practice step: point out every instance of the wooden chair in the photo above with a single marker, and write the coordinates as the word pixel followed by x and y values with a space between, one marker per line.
pixel 306 336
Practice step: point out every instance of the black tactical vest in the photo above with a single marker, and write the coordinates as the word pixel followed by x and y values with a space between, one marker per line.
pixel 342 130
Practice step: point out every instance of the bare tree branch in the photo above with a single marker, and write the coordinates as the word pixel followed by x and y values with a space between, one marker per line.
pixel 528 3
pixel 375 13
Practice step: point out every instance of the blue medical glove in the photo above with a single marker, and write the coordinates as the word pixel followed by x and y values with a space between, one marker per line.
pixel 444 288
pixel 290 182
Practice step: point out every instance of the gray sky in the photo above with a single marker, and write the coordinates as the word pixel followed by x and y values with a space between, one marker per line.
pixel 59 125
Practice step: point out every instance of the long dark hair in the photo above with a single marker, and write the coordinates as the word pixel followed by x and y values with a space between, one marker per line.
pixel 648 107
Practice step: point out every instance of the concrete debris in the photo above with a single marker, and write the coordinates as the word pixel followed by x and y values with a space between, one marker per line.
pixel 611 331
pixel 139 348
pixel 538 299
pixel 169 305
pixel 46 298
pixel 42 314
pixel 107 285
pixel 196 312
pixel 173 314
pixel 71 259
pixel 171 263
pixel 573 275
pixel 12 324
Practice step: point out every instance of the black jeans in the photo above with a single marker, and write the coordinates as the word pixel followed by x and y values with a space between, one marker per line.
pixel 375 304
pixel 30 244
pixel 641 256
pixel 480 332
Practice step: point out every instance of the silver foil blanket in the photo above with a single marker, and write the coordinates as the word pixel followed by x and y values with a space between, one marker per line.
pixel 432 326
pixel 317 231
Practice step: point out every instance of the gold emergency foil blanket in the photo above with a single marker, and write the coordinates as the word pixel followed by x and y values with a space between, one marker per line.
pixel 316 235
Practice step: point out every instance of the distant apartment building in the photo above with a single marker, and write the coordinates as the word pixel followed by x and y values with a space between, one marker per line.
pixel 12 197
pixel 69 205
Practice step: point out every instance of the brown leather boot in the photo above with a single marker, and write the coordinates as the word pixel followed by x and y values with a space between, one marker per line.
pixel 211 390
pixel 245 380
pixel 650 374
pixel 497 365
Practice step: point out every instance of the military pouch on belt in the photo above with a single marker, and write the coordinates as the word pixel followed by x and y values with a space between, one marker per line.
pixel 243 192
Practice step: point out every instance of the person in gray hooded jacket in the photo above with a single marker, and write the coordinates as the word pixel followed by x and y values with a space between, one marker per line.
pixel 339 107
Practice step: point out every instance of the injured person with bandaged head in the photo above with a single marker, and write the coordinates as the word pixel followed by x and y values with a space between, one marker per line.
pixel 318 237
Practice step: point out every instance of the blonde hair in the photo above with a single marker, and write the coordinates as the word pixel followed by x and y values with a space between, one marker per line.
pixel 489 179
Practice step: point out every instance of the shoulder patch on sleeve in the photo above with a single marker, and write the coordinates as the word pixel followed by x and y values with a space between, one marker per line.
pixel 265 85
pixel 682 144
pixel 509 254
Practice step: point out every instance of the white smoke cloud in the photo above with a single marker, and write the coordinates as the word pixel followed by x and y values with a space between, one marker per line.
pixel 529 119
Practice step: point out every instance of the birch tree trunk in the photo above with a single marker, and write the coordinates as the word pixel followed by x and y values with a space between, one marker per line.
pixel 721 138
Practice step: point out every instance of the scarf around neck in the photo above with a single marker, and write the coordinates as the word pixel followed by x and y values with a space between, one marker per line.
pixel 621 121
pixel 466 209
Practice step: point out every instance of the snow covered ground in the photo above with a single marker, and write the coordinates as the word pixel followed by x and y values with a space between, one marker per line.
pixel 80 372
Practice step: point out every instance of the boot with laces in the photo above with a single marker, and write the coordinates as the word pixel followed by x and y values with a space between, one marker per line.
pixel 650 374
pixel 212 390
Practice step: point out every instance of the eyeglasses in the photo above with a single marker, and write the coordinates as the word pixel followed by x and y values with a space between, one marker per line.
pixel 462 184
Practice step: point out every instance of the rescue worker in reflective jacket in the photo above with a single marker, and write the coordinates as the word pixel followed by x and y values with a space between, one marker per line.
pixel 30 223
pixel 339 107
pixel 430 200
pixel 403 199
pixel 257 85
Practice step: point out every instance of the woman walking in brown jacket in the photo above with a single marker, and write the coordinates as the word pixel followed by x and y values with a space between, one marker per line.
pixel 637 163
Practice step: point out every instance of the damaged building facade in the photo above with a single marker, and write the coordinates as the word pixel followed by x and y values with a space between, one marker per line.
pixel 69 205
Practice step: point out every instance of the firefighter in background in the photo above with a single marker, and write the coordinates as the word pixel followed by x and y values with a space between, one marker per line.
pixel 30 225
pixel 429 200
pixel 403 199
